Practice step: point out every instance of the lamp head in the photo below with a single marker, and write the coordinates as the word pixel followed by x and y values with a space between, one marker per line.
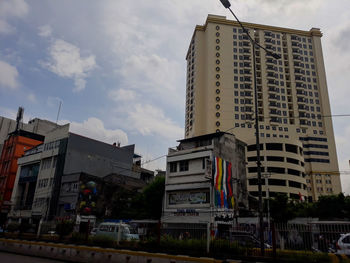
pixel 226 3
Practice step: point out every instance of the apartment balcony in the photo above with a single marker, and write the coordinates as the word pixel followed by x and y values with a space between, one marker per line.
pixel 303 122
pixel 248 101
pixel 275 113
pixel 245 57
pixel 273 89
pixel 270 74
pixel 273 104
pixel 271 81
pixel 273 97
pixel 275 120
pixel 293 37
pixel 270 68
pixel 247 72
pixel 301 108
pixel 270 61
pixel 248 109
pixel 296 44
pixel 247 65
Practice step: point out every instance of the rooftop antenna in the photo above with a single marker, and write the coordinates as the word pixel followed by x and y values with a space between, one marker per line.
pixel 59 110
pixel 19 117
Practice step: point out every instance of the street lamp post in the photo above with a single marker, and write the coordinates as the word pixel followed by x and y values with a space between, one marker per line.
pixel 227 5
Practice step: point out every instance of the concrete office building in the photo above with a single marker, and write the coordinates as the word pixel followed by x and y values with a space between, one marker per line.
pixel 35 125
pixel 205 180
pixel 53 176
pixel 296 131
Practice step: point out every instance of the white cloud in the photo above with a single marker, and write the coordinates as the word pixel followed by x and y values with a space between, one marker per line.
pixel 66 62
pixel 150 120
pixel 94 128
pixel 8 76
pixel 32 98
pixel 53 101
pixel 45 31
pixel 122 95
pixel 11 9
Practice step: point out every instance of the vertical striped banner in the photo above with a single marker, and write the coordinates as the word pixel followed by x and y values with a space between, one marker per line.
pixel 222 172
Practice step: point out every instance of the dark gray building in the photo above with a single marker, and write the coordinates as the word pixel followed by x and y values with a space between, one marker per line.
pixel 70 171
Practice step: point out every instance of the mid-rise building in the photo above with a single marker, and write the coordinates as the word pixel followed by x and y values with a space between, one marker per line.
pixel 35 125
pixel 296 131
pixel 205 181
pixel 14 146
pixel 63 176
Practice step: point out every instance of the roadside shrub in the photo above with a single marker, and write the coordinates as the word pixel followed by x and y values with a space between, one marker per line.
pixel 103 241
pixel 26 228
pixel 303 256
pixel 64 228
pixel 13 227
pixel 79 238
pixel 190 246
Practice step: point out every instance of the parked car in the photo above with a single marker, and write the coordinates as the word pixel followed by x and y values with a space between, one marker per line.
pixel 118 231
pixel 246 239
pixel 93 231
pixel 343 244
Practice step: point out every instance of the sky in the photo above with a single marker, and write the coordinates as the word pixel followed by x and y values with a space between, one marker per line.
pixel 118 66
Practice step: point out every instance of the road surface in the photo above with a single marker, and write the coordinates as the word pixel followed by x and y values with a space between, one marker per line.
pixel 14 258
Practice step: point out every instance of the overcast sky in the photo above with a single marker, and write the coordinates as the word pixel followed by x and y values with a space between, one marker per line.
pixel 119 68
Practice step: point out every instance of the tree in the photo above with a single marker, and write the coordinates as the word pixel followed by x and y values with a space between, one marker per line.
pixel 280 209
pixel 64 228
pixel 153 198
pixel 128 204
pixel 332 206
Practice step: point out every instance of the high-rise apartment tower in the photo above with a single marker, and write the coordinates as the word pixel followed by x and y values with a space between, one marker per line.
pixel 298 151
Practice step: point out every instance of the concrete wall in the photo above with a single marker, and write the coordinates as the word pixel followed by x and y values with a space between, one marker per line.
pixel 97 158
pixel 74 253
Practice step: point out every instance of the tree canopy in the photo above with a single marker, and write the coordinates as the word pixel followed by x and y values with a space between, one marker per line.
pixel 330 207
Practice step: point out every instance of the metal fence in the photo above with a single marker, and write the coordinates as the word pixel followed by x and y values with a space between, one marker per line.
pixel 313 236
pixel 243 238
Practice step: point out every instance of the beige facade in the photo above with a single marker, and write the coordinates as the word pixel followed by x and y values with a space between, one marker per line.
pixel 293 102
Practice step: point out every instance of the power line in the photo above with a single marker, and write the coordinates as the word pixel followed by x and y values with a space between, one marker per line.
pixel 149 161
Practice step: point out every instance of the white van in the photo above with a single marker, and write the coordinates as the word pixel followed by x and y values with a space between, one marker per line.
pixel 117 231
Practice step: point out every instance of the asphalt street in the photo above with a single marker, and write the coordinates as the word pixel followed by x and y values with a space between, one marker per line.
pixel 14 258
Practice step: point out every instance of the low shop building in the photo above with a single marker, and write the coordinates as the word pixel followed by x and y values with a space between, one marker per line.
pixel 205 181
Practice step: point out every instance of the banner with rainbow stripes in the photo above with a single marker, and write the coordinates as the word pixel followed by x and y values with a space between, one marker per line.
pixel 222 171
